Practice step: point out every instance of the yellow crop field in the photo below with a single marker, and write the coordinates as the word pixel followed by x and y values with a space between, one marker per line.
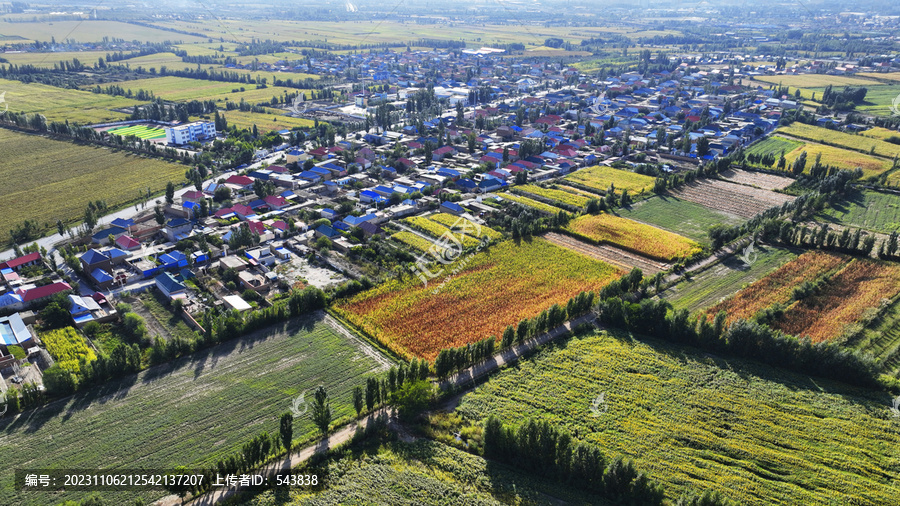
pixel 534 204
pixel 880 133
pixel 59 104
pixel 489 293
pixel 841 139
pixel 841 158
pixel 460 223
pixel 817 81
pixel 274 119
pixel 643 239
pixel 46 180
pixel 600 177
pixel 561 196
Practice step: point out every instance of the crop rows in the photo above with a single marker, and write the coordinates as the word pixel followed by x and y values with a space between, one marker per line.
pixel 757 179
pixel 488 293
pixel 697 422
pixel 458 222
pixel 778 285
pixel 601 176
pixel 413 240
pixel 563 197
pixel 841 139
pixel 861 285
pixel 224 395
pixel 45 180
pixel 606 253
pixel 731 198
pixel 643 239
pixel 534 204
pixel 437 230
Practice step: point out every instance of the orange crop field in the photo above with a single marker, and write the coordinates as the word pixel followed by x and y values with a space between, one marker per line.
pixel 861 285
pixel 496 287
pixel 778 285
pixel 633 236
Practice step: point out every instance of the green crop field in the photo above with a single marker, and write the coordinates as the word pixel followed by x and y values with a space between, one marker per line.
pixel 775 145
pixel 882 340
pixel 45 180
pixel 182 88
pixel 676 215
pixel 818 81
pixel 90 30
pixel 191 412
pixel 140 131
pixel 879 100
pixel 875 211
pixel 721 280
pixel 696 421
pixel 47 60
pixel 275 119
pixel 424 473
pixel 59 104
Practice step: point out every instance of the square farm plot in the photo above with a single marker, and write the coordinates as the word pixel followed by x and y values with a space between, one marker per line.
pixel 497 287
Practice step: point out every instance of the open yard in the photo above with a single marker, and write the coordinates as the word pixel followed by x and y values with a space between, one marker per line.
pixel 723 279
pixel 45 180
pixel 489 293
pixel 871 210
pixel 680 216
pixel 692 420
pixel 639 238
pixel 59 104
pixel 600 177
pixel 730 198
pixel 226 395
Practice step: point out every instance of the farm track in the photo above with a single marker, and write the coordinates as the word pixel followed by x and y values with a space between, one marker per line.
pixel 758 179
pixel 609 254
pixel 732 198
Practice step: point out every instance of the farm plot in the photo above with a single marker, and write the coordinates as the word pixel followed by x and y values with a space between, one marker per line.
pixel 691 420
pixel 226 395
pixel 774 145
pixel 68 348
pixel 757 179
pixel 459 223
pixel 841 139
pixel 880 99
pixel 862 284
pixel 480 294
pixel 45 179
pixel 437 230
pixel 599 177
pixel 58 104
pixel 735 199
pixel 721 280
pixel 778 286
pixel 534 204
pixel 630 235
pixel 817 81
pixel 871 210
pixel 880 133
pixel 840 158
pixel 91 30
pixel 424 473
pixel 679 216
pixel 609 254
pixel 560 196
pixel 414 241
pixel 882 340
pixel 273 119
pixel 183 89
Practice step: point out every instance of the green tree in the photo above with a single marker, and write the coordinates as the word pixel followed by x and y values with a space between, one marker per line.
pixel 286 431
pixel 170 192
pixel 321 410
pixel 413 397
pixel 358 401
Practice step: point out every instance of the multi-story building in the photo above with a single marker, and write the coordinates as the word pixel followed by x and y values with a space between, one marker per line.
pixel 189 132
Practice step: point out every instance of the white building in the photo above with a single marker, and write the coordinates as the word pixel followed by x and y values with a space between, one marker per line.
pixel 189 132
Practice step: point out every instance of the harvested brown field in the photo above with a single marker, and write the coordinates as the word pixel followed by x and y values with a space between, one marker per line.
pixel 732 198
pixel 757 179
